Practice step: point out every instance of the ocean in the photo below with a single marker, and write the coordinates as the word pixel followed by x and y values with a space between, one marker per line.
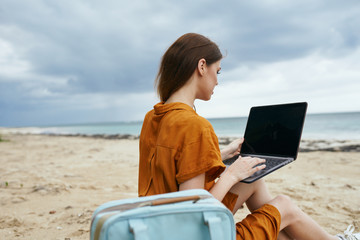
pixel 339 126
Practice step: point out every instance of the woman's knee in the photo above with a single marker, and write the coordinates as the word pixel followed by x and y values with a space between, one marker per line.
pixel 283 202
pixel 283 199
pixel 241 187
pixel 259 184
pixel 288 210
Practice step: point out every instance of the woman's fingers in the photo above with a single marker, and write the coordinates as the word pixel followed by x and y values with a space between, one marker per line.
pixel 236 144
pixel 247 166
pixel 252 161
pixel 258 167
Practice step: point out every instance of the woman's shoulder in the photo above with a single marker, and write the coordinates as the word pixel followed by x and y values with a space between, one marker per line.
pixel 189 118
pixel 149 113
pixel 181 128
pixel 187 124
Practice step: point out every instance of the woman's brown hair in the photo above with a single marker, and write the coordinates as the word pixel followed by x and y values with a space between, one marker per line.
pixel 180 61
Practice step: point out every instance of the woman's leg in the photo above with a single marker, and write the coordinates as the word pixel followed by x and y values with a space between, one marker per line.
pixel 296 223
pixel 254 195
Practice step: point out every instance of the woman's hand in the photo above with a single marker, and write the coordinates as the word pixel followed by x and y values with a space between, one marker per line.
pixel 232 149
pixel 243 168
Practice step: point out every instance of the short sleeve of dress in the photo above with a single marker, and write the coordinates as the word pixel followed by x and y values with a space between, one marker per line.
pixel 200 156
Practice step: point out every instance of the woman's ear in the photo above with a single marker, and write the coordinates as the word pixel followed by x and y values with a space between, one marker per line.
pixel 201 66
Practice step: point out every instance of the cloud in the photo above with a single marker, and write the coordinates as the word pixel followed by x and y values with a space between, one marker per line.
pixel 62 54
pixel 327 84
pixel 12 65
pixel 286 30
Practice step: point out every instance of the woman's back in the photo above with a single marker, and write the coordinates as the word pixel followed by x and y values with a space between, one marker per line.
pixel 176 144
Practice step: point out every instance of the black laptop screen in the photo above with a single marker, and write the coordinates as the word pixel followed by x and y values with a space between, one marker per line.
pixel 274 130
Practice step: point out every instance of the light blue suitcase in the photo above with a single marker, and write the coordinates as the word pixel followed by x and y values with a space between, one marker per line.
pixel 189 215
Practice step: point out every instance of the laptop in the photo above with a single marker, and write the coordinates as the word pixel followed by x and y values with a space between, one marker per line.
pixel 272 132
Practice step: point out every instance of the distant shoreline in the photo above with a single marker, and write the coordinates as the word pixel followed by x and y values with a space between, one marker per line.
pixel 339 126
pixel 312 145
pixel 306 145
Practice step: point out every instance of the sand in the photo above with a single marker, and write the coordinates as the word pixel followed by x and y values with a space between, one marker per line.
pixel 50 185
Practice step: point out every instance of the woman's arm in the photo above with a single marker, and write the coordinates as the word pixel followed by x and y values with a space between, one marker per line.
pixel 242 168
pixel 197 182
pixel 219 190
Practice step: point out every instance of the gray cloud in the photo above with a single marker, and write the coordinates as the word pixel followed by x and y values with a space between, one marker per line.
pixel 52 52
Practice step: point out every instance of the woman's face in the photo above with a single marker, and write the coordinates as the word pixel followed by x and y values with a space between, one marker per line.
pixel 209 81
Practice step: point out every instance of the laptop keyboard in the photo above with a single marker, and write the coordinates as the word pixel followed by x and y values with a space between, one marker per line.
pixel 270 162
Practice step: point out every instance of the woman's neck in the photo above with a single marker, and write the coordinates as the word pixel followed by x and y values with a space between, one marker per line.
pixel 186 94
pixel 176 97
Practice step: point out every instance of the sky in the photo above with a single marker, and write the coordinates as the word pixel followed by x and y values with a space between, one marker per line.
pixel 87 61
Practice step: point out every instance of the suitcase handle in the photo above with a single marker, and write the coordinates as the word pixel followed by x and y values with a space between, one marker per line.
pixel 175 200
pixel 214 224
pixel 139 229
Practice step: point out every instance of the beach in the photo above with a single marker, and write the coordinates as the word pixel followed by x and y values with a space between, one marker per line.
pixel 50 184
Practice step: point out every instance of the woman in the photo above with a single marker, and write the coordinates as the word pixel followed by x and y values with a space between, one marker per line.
pixel 179 149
